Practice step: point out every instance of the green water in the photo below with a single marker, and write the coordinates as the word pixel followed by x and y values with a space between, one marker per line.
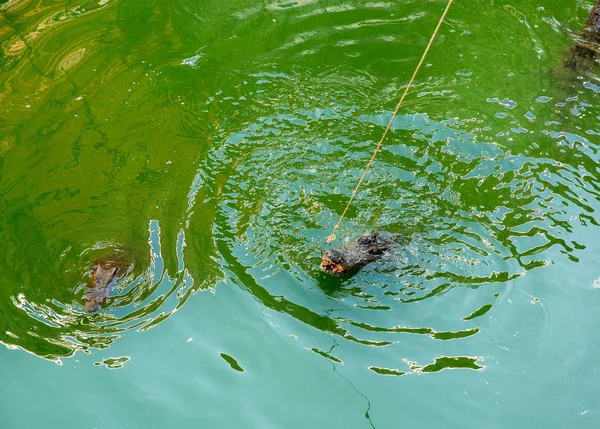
pixel 214 145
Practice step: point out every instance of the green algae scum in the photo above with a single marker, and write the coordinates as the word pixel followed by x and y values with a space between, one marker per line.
pixel 211 145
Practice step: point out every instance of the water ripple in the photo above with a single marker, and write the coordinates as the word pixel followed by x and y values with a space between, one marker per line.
pixel 476 213
pixel 486 173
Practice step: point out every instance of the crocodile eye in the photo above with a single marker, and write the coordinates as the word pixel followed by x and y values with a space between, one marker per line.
pixel 365 240
pixel 375 251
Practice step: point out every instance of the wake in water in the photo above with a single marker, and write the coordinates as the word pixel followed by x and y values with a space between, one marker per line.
pixel 130 301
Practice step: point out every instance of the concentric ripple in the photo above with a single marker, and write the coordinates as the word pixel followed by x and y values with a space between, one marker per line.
pixel 474 207
pixel 145 296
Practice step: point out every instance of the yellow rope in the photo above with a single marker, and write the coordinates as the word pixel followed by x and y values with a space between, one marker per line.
pixel 335 228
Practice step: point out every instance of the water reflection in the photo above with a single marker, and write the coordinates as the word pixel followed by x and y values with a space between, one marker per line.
pixel 271 112
pixel 480 210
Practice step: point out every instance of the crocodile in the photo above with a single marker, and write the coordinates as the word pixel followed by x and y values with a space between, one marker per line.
pixel 105 273
pixel 582 55
pixel 351 257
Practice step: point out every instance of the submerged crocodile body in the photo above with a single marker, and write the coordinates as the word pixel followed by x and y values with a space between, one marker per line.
pixel 105 273
pixel 351 257
pixel 582 55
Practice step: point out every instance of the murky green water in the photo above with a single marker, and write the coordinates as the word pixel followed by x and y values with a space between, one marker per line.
pixel 214 145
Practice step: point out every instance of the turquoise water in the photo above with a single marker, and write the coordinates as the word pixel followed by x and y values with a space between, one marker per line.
pixel 214 145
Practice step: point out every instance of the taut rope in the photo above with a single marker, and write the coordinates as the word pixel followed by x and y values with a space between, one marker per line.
pixel 335 228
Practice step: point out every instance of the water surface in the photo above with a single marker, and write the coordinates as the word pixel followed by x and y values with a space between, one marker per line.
pixel 214 145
